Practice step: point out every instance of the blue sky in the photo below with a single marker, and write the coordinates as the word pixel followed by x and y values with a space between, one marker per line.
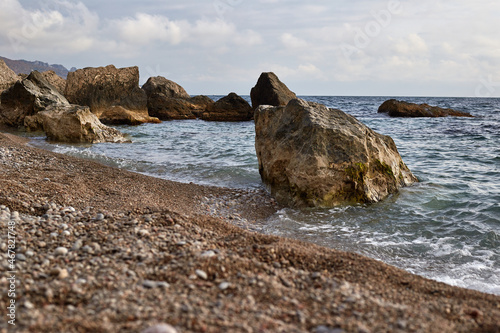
pixel 388 48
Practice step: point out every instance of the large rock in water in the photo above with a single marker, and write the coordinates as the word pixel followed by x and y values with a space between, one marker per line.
pixel 229 108
pixel 310 155
pixel 7 77
pixel 74 124
pixel 269 90
pixel 395 108
pixel 27 97
pixel 161 85
pixel 109 90
pixel 167 100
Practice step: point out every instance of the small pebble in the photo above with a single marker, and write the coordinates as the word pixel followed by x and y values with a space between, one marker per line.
pixel 63 273
pixel 201 274
pixel 224 285
pixel 162 328
pixel 61 251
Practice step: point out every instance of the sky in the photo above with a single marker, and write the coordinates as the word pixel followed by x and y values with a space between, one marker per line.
pixel 324 47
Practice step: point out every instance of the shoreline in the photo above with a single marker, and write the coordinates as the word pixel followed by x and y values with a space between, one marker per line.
pixel 142 250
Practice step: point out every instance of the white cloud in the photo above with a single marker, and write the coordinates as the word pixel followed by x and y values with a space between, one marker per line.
pixel 292 42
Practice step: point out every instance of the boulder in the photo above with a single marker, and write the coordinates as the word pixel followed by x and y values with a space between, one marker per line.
pixel 106 88
pixel 269 90
pixel 159 84
pixel 118 115
pixel 200 104
pixel 168 108
pixel 313 156
pixel 229 108
pixel 55 80
pixel 395 108
pixel 74 124
pixel 7 77
pixel 27 97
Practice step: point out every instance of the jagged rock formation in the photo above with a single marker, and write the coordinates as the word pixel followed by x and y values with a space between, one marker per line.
pixel 109 90
pixel 269 90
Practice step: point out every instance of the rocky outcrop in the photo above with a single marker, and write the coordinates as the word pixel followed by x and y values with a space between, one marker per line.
pixel 310 155
pixel 55 80
pixel 27 97
pixel 7 77
pixel 108 90
pixel 269 90
pixel 167 100
pixel 395 108
pixel 200 104
pixel 74 124
pixel 167 108
pixel 229 108
pixel 161 85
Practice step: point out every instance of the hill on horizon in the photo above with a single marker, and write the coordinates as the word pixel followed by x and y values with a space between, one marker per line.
pixel 26 67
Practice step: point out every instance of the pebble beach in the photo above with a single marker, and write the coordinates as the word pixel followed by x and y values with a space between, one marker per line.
pixel 100 249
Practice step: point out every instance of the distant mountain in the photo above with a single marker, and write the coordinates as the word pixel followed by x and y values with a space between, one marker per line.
pixel 25 67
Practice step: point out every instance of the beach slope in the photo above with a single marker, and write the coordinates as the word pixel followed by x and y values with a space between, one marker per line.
pixel 100 249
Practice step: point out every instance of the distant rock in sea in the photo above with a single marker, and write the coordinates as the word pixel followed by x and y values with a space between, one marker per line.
pixel 229 108
pixel 26 67
pixel 167 100
pixel 269 90
pixel 395 108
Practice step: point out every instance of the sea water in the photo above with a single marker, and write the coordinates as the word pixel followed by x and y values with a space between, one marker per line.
pixel 447 227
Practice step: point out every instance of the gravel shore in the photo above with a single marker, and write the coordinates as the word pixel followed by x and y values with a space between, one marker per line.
pixel 98 249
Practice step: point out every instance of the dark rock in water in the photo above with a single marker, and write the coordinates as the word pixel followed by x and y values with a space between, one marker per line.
pixel 161 85
pixel 229 108
pixel 200 104
pixel 397 108
pixel 167 100
pixel 310 155
pixel 269 90
pixel 72 123
pixel 27 97
pixel 7 77
pixel 108 90
pixel 168 108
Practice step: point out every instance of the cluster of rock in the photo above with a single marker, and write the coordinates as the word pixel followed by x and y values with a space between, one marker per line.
pixel 308 154
pixel 395 108
pixel 113 96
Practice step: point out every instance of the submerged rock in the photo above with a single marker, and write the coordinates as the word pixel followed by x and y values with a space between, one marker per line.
pixel 269 90
pixel 310 155
pixel 229 108
pixel 109 90
pixel 395 108
pixel 74 124
pixel 27 97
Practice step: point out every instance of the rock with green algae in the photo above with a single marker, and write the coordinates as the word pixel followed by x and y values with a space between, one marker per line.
pixel 313 156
